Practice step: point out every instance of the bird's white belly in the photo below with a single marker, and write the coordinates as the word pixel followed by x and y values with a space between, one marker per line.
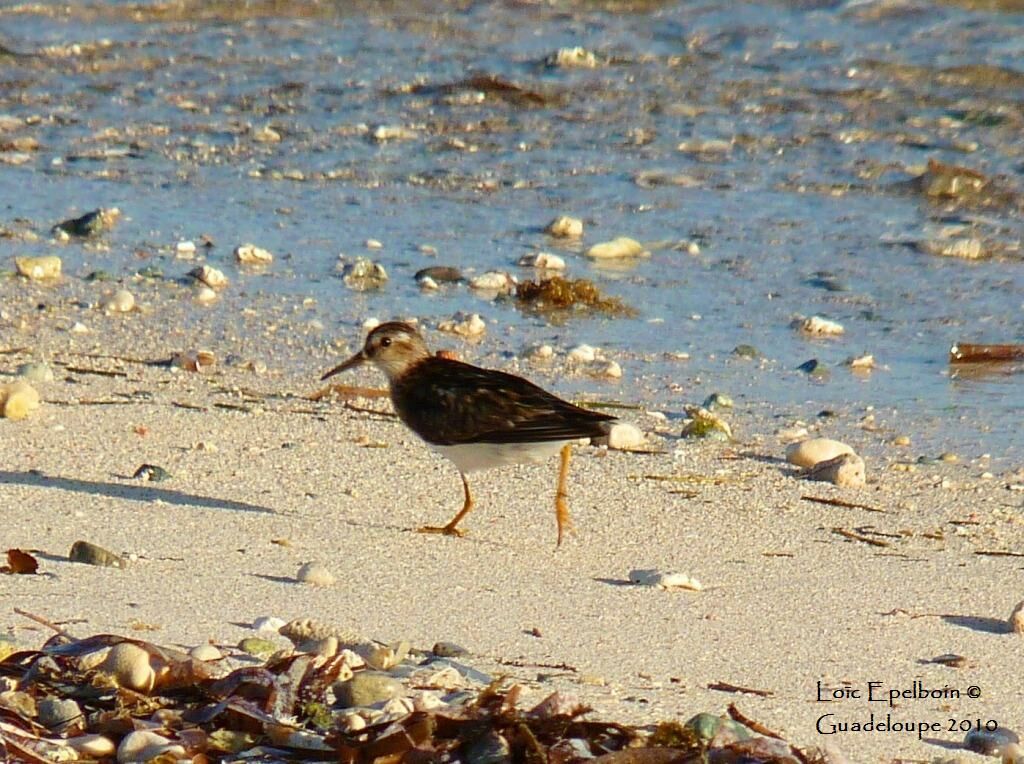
pixel 481 456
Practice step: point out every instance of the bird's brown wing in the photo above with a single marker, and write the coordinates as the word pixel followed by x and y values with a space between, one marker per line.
pixel 449 403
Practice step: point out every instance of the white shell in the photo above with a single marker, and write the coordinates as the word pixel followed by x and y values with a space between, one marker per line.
pixel 205 652
pixel 130 666
pixel 463 325
pixel 807 453
pixel 623 435
pixel 623 246
pixel 122 301
pixel 493 281
pixel 664 580
pixel 93 746
pixel 844 471
pixel 543 261
pixel 18 399
pixel 143 745
pixel 315 574
pixel 210 276
pixel 582 354
pixel 268 623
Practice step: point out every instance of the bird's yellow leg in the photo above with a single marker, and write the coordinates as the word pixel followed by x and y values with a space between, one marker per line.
pixel 561 505
pixel 450 529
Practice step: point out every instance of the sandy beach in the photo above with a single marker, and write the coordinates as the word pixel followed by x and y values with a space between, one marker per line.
pixel 264 480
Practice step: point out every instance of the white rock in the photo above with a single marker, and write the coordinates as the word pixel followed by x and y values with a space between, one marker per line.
pixel 464 325
pixel 807 453
pixel 565 227
pixel 623 246
pixel 122 301
pixel 543 261
pixel 582 354
pixel 38 268
pixel 427 284
pixel 573 58
pixel 493 281
pixel 373 244
pixel 821 327
pixel 250 254
pixel 185 249
pixel 143 745
pixel 790 434
pixel 539 352
pixel 370 324
pixel 131 667
pixel 844 471
pixel 315 574
pixel 79 328
pixel 625 436
pixel 18 399
pixel 1017 619
pixel 393 133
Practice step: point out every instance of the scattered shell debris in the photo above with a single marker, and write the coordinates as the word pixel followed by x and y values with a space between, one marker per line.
pixel 620 247
pixel 565 227
pixel 660 579
pixel 464 325
pixel 250 254
pixel 300 705
pixel 46 268
pixel 808 453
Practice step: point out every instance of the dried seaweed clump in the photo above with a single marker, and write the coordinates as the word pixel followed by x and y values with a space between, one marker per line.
pixel 557 294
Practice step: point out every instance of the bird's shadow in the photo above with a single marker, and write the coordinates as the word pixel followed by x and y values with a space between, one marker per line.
pixel 615 581
pixel 979 623
pixel 147 493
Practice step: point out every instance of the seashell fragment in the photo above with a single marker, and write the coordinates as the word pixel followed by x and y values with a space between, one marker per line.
pixel 250 254
pixel 569 58
pixel 43 268
pixel 565 227
pixel 705 424
pixel 205 652
pixel 302 629
pixel 362 275
pixel 807 453
pixel 207 274
pixel 623 246
pixel 93 746
pixel 582 354
pixel 91 554
pixel 19 399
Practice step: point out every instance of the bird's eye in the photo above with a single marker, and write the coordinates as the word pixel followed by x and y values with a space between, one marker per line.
pixel 386 342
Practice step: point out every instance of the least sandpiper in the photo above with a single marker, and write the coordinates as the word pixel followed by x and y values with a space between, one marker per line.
pixel 478 418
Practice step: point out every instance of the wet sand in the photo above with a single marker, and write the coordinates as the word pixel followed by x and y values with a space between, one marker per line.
pixel 263 480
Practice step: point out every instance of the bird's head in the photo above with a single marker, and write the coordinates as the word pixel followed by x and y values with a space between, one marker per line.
pixel 392 347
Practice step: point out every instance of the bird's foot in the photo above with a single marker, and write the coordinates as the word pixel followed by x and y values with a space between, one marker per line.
pixel 562 518
pixel 446 530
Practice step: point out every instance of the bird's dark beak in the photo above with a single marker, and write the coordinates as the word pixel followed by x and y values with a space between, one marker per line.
pixel 356 360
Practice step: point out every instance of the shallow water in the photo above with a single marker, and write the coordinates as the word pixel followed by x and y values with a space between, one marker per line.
pixel 826 111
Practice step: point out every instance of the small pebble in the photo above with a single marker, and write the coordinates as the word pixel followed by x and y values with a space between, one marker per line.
pixel 362 275
pixel 18 400
pixel 315 574
pixel 268 623
pixel 122 301
pixel 367 688
pixel 57 712
pixel 581 354
pixel 373 244
pixel 257 646
pixel 538 353
pixel 623 436
pixel 93 746
pixel 204 295
pixel 205 653
pixel 496 282
pixel 448 650
pixel 570 58
pixel 606 369
pixel 442 274
pixel 464 325
pixel 210 276
pixel 807 453
pixel 901 440
pixel 266 134
pixel 186 250
pixel 664 580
